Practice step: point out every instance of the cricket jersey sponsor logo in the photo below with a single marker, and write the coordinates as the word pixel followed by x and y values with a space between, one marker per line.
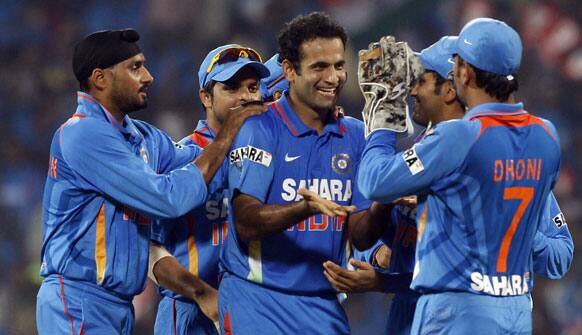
pixel 216 209
pixel 500 286
pixel 331 189
pixel 517 169
pixel 559 220
pixel 413 161
pixel 341 164
pixel 260 156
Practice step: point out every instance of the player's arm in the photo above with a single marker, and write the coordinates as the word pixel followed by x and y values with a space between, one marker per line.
pixel 365 278
pixel 166 271
pixel 385 175
pixel 366 227
pixel 255 220
pixel 553 248
pixel 210 160
pixel 250 172
pixel 104 163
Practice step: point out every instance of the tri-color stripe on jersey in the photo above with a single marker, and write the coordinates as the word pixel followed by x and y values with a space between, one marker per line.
pixel 273 156
pixel 482 182
pixel 195 238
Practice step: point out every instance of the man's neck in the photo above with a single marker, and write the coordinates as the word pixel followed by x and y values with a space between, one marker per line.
pixel 110 107
pixel 314 119
pixel 212 122
pixel 478 97
pixel 452 112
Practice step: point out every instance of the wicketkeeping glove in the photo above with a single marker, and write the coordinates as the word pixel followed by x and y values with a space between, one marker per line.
pixel 386 72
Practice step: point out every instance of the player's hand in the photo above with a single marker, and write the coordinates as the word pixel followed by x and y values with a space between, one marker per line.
pixel 318 204
pixel 363 279
pixel 237 115
pixel 208 303
pixel 382 256
pixel 408 201
pixel 386 73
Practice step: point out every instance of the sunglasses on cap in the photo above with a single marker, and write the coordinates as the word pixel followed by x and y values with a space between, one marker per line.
pixel 232 55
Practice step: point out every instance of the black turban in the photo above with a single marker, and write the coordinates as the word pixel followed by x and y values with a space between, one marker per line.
pixel 103 49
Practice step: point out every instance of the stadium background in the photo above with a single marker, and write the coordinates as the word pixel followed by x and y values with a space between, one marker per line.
pixel 37 93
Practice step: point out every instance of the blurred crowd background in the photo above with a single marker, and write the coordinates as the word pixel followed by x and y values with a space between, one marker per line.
pixel 37 94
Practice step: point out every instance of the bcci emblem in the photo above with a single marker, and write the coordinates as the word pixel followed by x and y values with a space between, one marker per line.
pixel 144 155
pixel 341 164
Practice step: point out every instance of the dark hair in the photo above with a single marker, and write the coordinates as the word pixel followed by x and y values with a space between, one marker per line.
pixel 304 28
pixel 208 88
pixel 496 85
pixel 84 85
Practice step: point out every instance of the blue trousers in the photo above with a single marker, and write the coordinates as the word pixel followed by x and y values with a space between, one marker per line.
pixel 246 308
pixel 73 307
pixel 176 317
pixel 467 313
pixel 401 313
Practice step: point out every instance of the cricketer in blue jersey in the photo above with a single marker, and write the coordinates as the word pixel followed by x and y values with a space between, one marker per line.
pixel 482 180
pixel 435 101
pixel 281 234
pixel 195 239
pixel 109 175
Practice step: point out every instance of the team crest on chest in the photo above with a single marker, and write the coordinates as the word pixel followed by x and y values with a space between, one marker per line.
pixel 144 154
pixel 341 164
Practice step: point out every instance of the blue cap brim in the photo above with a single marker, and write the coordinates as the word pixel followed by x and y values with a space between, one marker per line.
pixel 234 67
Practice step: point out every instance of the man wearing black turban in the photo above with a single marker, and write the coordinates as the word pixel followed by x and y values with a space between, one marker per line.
pixel 109 176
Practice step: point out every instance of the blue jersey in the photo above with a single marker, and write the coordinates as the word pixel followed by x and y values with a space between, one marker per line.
pixel 105 181
pixel 553 248
pixel 483 182
pixel 273 156
pixel 195 239
pixel 401 238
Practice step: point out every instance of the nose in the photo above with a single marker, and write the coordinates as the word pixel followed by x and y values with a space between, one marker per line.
pixel 147 76
pixel 335 76
pixel 414 91
pixel 248 94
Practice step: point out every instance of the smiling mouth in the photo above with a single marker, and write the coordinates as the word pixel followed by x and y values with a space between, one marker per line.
pixel 328 92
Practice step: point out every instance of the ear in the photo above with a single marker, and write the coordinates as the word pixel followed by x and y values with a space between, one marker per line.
pixel 448 92
pixel 205 98
pixel 288 70
pixel 467 73
pixel 99 79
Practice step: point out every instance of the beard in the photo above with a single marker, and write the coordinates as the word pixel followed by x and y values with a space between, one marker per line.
pixel 128 102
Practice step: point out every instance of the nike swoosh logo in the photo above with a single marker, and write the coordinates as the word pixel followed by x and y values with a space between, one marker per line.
pixel 289 158
pixel 450 60
pixel 467 42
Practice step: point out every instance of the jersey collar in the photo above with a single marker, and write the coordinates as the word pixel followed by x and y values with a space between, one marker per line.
pixel 204 129
pixel 89 106
pixel 283 109
pixel 495 108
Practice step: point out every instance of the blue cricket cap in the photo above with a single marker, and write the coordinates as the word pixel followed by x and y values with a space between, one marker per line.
pixel 224 71
pixel 438 56
pixel 490 45
pixel 274 82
